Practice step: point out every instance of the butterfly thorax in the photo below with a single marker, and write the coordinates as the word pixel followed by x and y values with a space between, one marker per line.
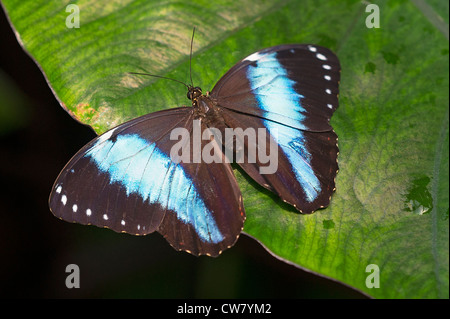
pixel 201 103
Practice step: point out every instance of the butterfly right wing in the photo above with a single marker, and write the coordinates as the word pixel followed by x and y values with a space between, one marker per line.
pixel 125 180
pixel 290 91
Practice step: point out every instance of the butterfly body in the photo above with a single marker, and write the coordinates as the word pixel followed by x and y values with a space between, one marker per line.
pixel 129 180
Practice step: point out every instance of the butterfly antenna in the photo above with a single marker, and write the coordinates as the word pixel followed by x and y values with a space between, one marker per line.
pixel 159 76
pixel 190 57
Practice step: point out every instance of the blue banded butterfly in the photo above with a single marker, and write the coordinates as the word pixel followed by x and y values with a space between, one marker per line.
pixel 125 179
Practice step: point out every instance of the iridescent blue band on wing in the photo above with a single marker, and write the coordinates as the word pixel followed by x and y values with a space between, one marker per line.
pixel 141 168
pixel 276 94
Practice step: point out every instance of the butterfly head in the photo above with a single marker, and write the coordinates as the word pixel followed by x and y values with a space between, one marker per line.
pixel 193 92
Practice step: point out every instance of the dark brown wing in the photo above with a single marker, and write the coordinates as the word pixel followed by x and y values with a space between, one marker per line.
pixel 126 180
pixel 295 85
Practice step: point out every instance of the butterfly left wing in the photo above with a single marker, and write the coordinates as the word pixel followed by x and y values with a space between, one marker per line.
pixel 125 180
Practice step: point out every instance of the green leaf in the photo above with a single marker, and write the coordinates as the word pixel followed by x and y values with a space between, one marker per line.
pixel 391 206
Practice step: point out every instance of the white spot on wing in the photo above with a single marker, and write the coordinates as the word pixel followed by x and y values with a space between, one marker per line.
pixel 312 49
pixel 326 67
pixel 105 217
pixel 88 212
pixel 255 56
pixel 321 56
pixel 327 77
pixel 328 91
pixel 64 199
pixel 105 136
pixel 59 189
pixel 330 106
pixel 122 222
pixel 75 208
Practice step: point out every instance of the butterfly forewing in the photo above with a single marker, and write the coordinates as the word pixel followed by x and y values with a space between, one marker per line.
pixel 295 85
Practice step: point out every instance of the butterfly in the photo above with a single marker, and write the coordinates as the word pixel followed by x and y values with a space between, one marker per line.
pixel 127 180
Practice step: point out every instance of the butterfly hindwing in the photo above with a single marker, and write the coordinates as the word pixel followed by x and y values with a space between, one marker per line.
pixel 221 223
pixel 125 180
pixel 302 168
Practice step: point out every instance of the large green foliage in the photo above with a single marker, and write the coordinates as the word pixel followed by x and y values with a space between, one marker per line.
pixel 391 205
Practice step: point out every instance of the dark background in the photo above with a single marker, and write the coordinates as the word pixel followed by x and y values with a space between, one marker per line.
pixel 37 138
